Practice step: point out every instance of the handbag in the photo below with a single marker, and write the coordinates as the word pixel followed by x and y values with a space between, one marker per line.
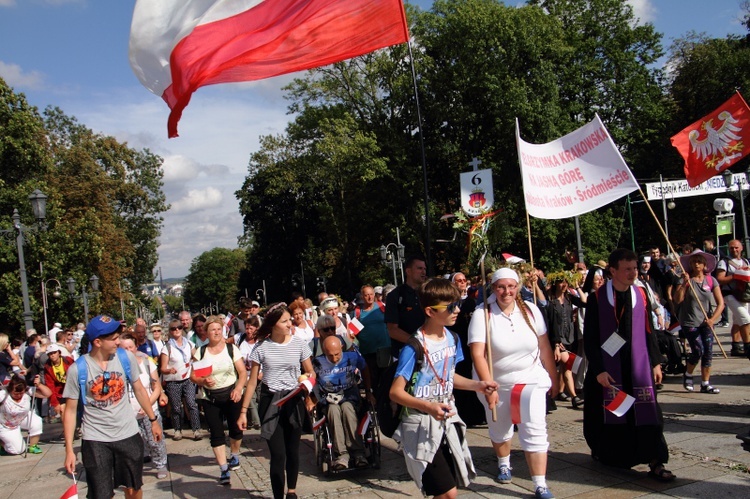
pixel 220 395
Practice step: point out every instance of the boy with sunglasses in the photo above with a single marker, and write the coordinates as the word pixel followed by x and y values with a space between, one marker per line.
pixel 112 448
pixel 431 433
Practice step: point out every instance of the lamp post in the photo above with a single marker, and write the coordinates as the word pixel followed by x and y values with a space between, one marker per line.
pixel 729 181
pixel 55 293
pixel 393 254
pixel 84 295
pixel 39 207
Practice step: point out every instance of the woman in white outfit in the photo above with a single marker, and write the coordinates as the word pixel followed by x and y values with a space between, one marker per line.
pixel 521 354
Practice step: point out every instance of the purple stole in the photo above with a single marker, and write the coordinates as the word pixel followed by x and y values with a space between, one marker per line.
pixel 641 373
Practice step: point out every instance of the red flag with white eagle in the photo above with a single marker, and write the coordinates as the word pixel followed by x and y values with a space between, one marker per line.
pixel 178 46
pixel 520 403
pixel 715 142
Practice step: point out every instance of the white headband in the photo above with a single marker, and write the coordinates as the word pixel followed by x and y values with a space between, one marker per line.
pixel 504 273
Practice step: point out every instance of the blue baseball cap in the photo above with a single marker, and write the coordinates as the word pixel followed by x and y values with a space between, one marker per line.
pixel 101 325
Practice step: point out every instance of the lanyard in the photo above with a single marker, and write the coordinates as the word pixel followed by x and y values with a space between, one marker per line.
pixel 432 366
pixel 614 300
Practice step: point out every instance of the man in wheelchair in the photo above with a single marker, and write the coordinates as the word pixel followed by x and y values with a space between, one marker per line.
pixel 337 390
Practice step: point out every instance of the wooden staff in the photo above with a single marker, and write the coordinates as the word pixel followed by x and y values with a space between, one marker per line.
pixel 488 338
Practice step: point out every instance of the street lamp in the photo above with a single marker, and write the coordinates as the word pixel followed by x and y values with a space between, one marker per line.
pixel 84 295
pixel 39 207
pixel 258 294
pixel 45 303
pixel 728 177
pixel 391 255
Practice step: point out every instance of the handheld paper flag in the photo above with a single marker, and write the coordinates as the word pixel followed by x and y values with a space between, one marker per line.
pixel 520 403
pixel 355 326
pixel 305 386
pixel 203 368
pixel 364 424
pixel 573 363
pixel 620 404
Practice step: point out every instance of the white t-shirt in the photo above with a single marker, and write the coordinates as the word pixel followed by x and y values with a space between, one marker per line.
pixel 146 380
pixel 515 347
pixel 306 333
pixel 13 413
pixel 179 359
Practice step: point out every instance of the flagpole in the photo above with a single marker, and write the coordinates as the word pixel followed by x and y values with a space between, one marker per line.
pixel 428 224
pixel 679 262
pixel 531 251
pixel 488 339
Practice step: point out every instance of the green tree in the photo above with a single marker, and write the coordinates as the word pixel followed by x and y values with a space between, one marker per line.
pixel 213 278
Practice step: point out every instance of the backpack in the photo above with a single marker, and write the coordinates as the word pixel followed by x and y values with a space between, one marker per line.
pixel 389 413
pixel 230 351
pixel 83 371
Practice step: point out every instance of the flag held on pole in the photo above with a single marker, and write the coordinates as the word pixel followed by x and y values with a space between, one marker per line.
pixel 178 46
pixel 715 142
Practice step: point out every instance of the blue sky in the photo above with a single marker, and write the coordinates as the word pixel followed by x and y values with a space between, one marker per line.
pixel 73 54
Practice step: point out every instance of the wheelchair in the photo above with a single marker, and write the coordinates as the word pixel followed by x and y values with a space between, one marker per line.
pixel 323 440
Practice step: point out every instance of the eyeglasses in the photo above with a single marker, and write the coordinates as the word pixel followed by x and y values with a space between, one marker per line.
pixel 175 328
pixel 460 280
pixel 450 306
pixel 156 330
pixel 107 377
pixel 329 329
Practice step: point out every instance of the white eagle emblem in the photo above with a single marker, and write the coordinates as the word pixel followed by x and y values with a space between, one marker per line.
pixel 719 147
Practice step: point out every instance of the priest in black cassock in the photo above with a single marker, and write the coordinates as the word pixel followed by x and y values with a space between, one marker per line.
pixel 623 354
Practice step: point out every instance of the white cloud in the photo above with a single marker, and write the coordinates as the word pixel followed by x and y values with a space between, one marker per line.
pixel 16 77
pixel 198 200
pixel 643 10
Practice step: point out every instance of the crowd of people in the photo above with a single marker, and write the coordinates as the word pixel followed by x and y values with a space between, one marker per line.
pixel 519 339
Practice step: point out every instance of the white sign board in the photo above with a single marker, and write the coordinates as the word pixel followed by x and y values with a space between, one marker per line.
pixel 476 192
pixel 674 189
pixel 575 174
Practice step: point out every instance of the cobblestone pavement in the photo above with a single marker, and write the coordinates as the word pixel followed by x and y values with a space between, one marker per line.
pixel 700 429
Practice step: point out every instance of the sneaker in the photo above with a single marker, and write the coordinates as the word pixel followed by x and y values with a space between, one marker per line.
pixel 687 382
pixel 233 463
pixel 161 473
pixel 177 435
pixel 34 449
pixel 197 435
pixel 709 389
pixel 224 477
pixel 543 493
pixel 503 474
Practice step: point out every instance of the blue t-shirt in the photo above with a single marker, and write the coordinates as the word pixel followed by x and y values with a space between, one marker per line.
pixel 375 333
pixel 342 376
pixel 427 385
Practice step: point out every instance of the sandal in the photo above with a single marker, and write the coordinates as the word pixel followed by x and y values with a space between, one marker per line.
pixel 687 382
pixel 709 389
pixel 661 474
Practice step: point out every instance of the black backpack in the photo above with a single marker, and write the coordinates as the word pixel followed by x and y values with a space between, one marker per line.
pixel 389 412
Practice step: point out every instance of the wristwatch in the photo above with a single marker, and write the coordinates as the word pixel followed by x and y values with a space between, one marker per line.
pixel 152 420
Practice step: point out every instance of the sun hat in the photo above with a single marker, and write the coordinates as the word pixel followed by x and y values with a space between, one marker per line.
pixel 710 261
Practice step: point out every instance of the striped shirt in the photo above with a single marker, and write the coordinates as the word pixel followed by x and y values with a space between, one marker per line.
pixel 281 362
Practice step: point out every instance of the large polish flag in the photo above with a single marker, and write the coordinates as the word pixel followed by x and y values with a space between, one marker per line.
pixel 178 46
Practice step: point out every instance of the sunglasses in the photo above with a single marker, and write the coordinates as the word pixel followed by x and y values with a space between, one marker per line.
pixel 450 306
pixel 175 328
pixel 107 376
pixel 329 329
pixel 156 330
pixel 460 280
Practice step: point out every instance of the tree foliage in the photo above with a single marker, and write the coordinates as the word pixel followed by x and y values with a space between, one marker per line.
pixel 480 65
pixel 213 278
pixel 103 211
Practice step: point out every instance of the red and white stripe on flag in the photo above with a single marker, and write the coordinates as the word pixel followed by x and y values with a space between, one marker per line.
pixel 178 46
pixel 71 493
pixel 355 326
pixel 364 423
pixel 317 424
pixel 620 404
pixel 203 368
pixel 306 385
pixel 520 403
pixel 573 363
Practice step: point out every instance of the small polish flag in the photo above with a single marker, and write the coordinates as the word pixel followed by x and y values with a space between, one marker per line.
pixel 674 327
pixel 355 326
pixel 364 424
pixel 203 368
pixel 573 363
pixel 317 424
pixel 306 385
pixel 71 493
pixel 520 403
pixel 620 404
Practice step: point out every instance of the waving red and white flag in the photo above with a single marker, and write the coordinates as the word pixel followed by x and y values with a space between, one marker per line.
pixel 520 403
pixel 305 386
pixel 178 46
pixel 203 368
pixel 355 326
pixel 620 404
pixel 715 142
pixel 71 493
pixel 364 423
pixel 573 363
